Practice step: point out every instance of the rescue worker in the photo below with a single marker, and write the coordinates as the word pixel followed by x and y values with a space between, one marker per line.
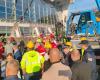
pixel 88 55
pixel 32 63
pixel 83 38
pixel 47 44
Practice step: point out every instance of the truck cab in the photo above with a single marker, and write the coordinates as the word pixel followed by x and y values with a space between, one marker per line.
pixel 86 22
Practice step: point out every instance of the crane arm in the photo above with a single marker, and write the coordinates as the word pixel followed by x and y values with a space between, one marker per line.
pixel 98 4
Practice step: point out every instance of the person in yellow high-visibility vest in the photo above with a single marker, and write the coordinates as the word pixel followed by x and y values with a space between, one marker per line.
pixel 82 49
pixel 88 55
pixel 32 63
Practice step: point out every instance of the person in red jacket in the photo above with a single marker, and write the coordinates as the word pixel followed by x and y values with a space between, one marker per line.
pixel 53 43
pixel 1 49
pixel 40 48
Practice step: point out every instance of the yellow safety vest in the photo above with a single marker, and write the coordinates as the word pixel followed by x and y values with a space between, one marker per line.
pixel 32 61
pixel 82 53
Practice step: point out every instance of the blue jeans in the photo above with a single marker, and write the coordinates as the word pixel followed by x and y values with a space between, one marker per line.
pixel 14 77
pixel 33 76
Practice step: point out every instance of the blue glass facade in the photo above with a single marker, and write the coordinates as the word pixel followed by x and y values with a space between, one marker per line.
pixel 36 11
pixel 26 10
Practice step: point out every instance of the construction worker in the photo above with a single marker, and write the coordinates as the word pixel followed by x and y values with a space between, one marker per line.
pixel 32 63
pixel 47 45
pixel 66 53
pixel 69 44
pixel 82 49
pixel 83 38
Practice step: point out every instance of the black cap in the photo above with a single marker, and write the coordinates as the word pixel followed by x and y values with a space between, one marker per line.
pixel 84 42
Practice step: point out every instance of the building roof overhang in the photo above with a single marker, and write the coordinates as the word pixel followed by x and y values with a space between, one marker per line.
pixel 59 4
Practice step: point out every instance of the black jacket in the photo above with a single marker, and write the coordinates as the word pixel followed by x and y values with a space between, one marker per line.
pixel 89 54
pixel 81 71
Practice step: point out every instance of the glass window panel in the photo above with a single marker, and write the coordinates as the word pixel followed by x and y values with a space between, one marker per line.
pixel 9 16
pixel 26 13
pixel 19 17
pixel 9 4
pixel 9 0
pixel 9 10
pixel 19 2
pixel 25 5
pixel 19 7
pixel 9 30
pixel 26 18
pixel 25 31
pixel 2 8
pixel 18 12
pixel 2 2
pixel 2 15
pixel 3 29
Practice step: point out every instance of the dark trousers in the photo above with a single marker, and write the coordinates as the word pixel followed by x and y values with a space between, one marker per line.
pixel 33 76
pixel 13 77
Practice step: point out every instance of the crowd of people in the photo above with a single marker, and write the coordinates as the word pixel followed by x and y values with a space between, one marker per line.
pixel 45 58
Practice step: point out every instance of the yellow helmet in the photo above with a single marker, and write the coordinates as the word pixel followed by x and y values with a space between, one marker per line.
pixel 69 44
pixel 39 40
pixel 83 38
pixel 47 45
pixel 30 44
pixel 98 19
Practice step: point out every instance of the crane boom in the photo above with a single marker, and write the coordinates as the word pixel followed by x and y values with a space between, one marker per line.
pixel 98 4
